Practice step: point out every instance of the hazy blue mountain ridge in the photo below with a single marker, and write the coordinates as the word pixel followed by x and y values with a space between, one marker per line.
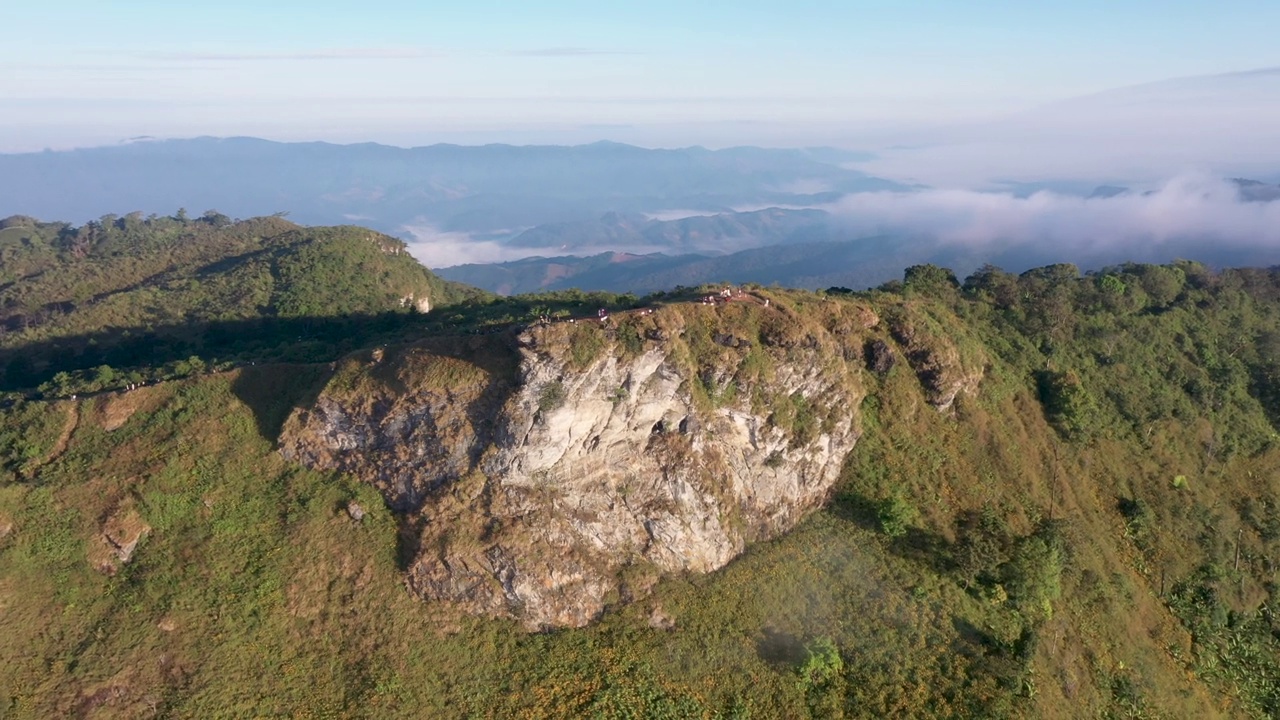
pixel 482 189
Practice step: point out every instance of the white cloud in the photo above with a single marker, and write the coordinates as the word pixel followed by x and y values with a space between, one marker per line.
pixel 1190 208
pixel 317 54
pixel 1196 215
pixel 436 248
pixel 570 52
pixel 806 186
pixel 680 214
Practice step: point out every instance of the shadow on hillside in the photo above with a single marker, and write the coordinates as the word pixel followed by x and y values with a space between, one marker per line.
pixel 154 351
pixel 273 392
pixel 780 648
pixel 921 546
pixel 408 539
pixel 283 362
pixel 1264 384
pixel 230 343
pixel 855 508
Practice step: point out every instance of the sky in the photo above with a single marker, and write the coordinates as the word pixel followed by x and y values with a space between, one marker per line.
pixel 880 73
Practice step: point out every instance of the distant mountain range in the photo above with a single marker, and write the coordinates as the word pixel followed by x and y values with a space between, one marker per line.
pixel 863 263
pixel 491 190
pixel 724 232
pixel 1254 191
pixel 1227 123
pixel 601 216
pixel 856 264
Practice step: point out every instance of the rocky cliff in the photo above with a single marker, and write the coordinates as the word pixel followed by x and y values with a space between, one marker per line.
pixel 547 474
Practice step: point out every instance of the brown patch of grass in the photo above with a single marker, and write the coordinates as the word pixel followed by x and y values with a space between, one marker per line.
pixel 71 408
pixel 112 410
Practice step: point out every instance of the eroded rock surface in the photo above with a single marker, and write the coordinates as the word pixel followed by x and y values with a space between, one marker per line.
pixel 122 528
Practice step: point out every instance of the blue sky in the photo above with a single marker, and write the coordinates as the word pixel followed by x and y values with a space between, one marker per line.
pixel 76 72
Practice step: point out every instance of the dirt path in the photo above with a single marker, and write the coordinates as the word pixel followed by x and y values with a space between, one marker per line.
pixel 60 446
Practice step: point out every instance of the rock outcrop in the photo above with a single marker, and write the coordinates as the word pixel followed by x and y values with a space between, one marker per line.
pixel 936 361
pixel 122 528
pixel 548 474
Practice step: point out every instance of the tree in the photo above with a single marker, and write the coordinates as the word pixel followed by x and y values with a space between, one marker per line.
pixel 1162 284
pixel 991 282
pixel 132 223
pixel 929 279
pixel 102 376
pixel 1067 404
pixel 822 678
pixel 1033 577
pixel 1049 295
pixel 1111 284
pixel 215 218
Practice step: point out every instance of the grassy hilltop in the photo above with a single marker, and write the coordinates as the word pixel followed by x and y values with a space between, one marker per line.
pixel 1093 532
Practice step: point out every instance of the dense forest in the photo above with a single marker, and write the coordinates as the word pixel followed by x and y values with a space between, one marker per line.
pixel 1093 532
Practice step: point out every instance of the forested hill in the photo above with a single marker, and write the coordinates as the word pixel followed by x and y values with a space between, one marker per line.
pixel 118 279
pixel 1056 495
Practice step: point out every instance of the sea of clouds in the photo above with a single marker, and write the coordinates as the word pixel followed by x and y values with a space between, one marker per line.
pixel 1188 208
pixel 1191 214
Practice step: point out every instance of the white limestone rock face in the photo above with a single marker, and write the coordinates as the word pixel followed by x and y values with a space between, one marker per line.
pixel 420 304
pixel 545 490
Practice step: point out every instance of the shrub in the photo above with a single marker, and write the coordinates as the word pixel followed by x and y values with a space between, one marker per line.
pixel 822 663
pixel 896 515
pixel 804 423
pixel 1067 405
pixel 585 345
pixel 551 397
pixel 1033 576
pixel 630 340
pixel 618 395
